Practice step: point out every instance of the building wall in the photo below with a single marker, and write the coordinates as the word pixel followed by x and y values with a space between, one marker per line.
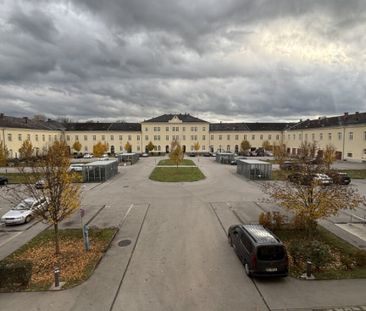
pixel 116 139
pixel 231 140
pixel 161 134
pixel 349 140
pixel 40 139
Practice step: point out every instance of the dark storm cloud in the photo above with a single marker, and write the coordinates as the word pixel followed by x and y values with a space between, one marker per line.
pixel 236 59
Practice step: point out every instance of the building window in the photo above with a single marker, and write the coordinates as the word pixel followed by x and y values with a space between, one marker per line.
pixel 220 137
pixel 146 137
pixel 49 138
pixel 129 137
pixel 28 137
pixel 167 137
pixel 289 137
pixel 120 148
pixel 9 137
pixel 167 129
pixel 306 137
pixel 86 148
pixel 261 137
pixel 245 137
pixel 330 136
pixel 184 137
pixel 20 137
pixel 76 137
pixel 203 137
pixel 138 148
pixel 183 129
pixel 212 137
pixel 269 137
pixel 43 137
pixel 349 154
pixel 313 136
pixel 55 137
pixel 321 136
pixel 94 137
pixel 85 137
pixel 36 137
pixel 294 136
pixel 203 147
pixel 177 129
pixel 277 137
pixel 228 137
pixel 204 129
pixel 253 137
pixel 146 129
pixel 112 137
pixel 339 136
pixel 103 137
pixel 364 135
pixel 236 137
pixel 68 137
pixel 138 137
pixel 350 135
pixel 228 147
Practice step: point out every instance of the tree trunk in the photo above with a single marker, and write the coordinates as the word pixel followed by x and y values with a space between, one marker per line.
pixel 57 246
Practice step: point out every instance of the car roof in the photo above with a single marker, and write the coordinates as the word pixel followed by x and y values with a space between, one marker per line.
pixel 29 200
pixel 260 234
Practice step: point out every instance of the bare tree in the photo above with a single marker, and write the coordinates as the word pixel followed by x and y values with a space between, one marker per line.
pixel 3 154
pixel 329 156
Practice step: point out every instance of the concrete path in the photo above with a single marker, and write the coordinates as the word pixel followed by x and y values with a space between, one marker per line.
pixel 179 258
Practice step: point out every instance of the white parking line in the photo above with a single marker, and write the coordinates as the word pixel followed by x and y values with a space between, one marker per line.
pixel 9 239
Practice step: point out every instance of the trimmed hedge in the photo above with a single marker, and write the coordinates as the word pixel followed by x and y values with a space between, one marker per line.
pixel 15 274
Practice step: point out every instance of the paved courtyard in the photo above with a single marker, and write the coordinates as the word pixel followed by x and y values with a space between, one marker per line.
pixel 179 258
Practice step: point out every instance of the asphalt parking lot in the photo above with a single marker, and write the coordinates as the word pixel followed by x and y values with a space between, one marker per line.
pixel 179 258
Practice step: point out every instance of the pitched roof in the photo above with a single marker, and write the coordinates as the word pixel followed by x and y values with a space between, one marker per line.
pixel 98 126
pixel 226 127
pixel 186 117
pixel 345 119
pixel 15 122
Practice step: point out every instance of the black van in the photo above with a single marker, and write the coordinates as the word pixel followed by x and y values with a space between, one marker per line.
pixel 261 252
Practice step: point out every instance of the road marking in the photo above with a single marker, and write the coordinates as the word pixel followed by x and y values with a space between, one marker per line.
pixel 124 217
pixel 9 239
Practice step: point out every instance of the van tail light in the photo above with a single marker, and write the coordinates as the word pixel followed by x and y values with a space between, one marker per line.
pixel 254 261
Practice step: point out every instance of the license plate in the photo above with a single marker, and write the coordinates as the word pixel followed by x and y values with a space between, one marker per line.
pixel 271 269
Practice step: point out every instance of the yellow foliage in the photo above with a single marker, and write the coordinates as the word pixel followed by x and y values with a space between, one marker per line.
pixel 3 154
pixel 99 149
pixel 176 154
pixel 26 150
pixel 128 147
pixel 76 146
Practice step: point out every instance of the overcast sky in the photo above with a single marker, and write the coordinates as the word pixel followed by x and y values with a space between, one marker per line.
pixel 232 60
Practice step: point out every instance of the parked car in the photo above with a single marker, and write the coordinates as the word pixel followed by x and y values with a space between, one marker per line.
pixel 76 167
pixel 339 178
pixel 290 165
pixel 24 211
pixel 88 156
pixel 145 155
pixel 40 184
pixel 192 154
pixel 261 252
pixel 235 161
pixel 4 180
pixel 307 179
pixel 78 155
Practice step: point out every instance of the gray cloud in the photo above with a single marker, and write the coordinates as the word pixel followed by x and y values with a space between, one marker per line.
pixel 231 60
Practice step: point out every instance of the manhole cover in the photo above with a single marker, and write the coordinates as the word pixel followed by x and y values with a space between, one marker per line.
pixel 124 243
pixel 125 186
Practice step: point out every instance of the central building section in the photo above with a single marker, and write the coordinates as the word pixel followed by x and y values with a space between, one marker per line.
pixel 186 129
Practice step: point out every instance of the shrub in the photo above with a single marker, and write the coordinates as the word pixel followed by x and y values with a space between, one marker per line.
pixel 360 258
pixel 265 219
pixel 319 254
pixel 297 251
pixel 15 274
pixel 272 220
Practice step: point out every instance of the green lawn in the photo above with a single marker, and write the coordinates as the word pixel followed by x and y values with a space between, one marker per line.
pixel 346 262
pixel 19 178
pixel 174 174
pixel 170 162
pixel 75 263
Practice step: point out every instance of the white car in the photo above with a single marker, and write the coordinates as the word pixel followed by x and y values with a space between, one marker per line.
pixel 323 179
pixel 76 168
pixel 23 212
pixel 88 156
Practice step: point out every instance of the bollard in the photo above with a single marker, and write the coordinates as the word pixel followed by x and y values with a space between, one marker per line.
pixel 308 269
pixel 57 276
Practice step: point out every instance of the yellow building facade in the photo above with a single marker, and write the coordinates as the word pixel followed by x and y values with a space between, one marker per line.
pixel 347 133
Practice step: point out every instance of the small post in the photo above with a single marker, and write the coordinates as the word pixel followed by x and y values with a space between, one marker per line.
pixel 86 237
pixel 308 269
pixel 57 276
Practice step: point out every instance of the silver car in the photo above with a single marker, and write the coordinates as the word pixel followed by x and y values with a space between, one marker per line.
pixel 23 212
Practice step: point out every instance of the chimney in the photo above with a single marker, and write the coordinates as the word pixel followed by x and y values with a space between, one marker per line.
pixel 1 115
pixel 25 119
pixel 346 114
pixel 357 112
pixel 49 120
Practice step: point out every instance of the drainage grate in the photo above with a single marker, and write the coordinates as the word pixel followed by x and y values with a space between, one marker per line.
pixel 125 186
pixel 124 243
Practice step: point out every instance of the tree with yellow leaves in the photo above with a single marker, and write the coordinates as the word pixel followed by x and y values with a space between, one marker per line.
pixel 26 150
pixel 99 149
pixel 267 145
pixel 280 153
pixel 3 154
pixel 76 146
pixel 329 156
pixel 244 146
pixel 176 154
pixel 61 192
pixel 128 147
